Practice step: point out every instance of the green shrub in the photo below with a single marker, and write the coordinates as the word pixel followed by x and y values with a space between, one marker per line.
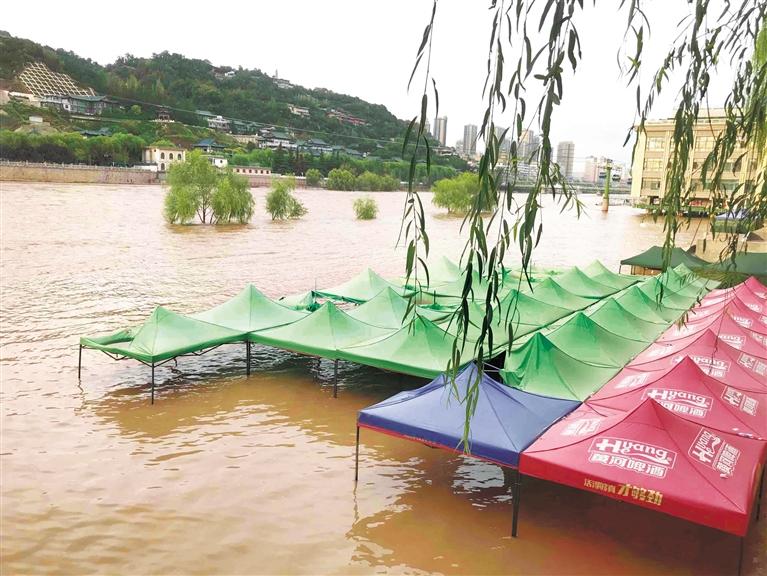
pixel 313 177
pixel 457 194
pixel 232 199
pixel 368 181
pixel 280 202
pixel 340 179
pixel 365 208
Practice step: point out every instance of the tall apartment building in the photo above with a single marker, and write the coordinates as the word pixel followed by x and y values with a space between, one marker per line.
pixel 440 129
pixel 529 142
pixel 653 155
pixel 565 158
pixel 470 140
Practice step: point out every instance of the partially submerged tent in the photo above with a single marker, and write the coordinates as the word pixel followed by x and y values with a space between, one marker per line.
pixel 655 289
pixel 388 310
pixel 689 392
pixel 647 307
pixel 652 258
pixel 612 316
pixel 551 292
pixel 302 301
pixel 420 348
pixel 652 458
pixel 248 311
pixel 363 287
pixel 540 367
pixel 505 421
pixel 322 333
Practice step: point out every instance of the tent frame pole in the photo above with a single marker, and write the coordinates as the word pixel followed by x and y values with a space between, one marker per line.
pixel 740 555
pixel 357 457
pixel 759 497
pixel 247 357
pixel 335 379
pixel 79 362
pixel 515 504
pixel 152 383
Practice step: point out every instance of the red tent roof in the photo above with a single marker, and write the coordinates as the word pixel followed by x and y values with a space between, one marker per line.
pixel 737 309
pixel 652 458
pixel 715 357
pixel 689 392
pixel 725 327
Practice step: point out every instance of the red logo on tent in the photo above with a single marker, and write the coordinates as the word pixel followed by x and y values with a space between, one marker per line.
pixel 752 363
pixel 742 320
pixel 632 455
pixel 712 366
pixel 582 427
pixel 681 401
pixel 735 397
pixel 733 340
pixel 632 381
pixel 711 450
pixel 754 307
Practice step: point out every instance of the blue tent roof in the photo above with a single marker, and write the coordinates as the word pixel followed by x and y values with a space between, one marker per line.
pixel 505 422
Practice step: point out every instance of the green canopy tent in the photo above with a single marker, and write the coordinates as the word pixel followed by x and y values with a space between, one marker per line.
pixel 164 336
pixel 322 333
pixel 646 307
pixel 751 263
pixel 652 259
pixel 657 287
pixel 578 282
pixel 599 272
pixel 302 301
pixel 388 310
pixel 421 348
pixel 540 367
pixel 613 317
pixel 363 287
pixel 549 291
pixel 681 280
pixel 441 271
pixel 584 339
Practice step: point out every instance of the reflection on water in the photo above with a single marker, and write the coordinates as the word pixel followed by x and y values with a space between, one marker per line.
pixel 233 474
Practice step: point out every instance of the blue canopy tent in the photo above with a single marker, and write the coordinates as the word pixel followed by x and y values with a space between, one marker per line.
pixel 505 421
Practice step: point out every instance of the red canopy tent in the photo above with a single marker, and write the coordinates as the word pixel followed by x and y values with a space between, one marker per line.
pixel 725 327
pixel 714 356
pixel 689 392
pixel 737 309
pixel 652 458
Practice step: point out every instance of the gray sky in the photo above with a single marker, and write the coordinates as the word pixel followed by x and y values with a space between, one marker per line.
pixel 365 49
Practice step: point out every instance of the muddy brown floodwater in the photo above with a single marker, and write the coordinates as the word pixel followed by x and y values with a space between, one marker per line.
pixel 228 474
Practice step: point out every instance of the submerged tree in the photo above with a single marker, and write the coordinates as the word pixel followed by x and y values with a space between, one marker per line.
pixel 280 202
pixel 199 189
pixel 543 41
pixel 365 208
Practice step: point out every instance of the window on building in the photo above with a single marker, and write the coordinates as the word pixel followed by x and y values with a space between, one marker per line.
pixel 656 143
pixel 704 143
pixel 162 166
pixel 653 164
pixel 170 156
pixel 162 155
pixel 651 183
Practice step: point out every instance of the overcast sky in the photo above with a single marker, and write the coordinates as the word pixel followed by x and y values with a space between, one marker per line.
pixel 365 49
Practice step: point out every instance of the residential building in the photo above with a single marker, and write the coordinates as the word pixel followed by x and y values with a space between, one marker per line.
pixel 470 140
pixel 654 149
pixel 280 140
pixel 565 158
pixel 298 111
pixel 440 129
pixel 209 146
pixel 163 156
pixel 256 139
pixel 219 123
pixel 251 170
pixel 527 148
pixel 427 127
pixel 345 117
pixel 218 161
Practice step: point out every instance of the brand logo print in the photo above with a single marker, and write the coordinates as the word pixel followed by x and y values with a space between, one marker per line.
pixel 632 381
pixel 632 455
pixel 740 400
pixel 582 427
pixel 715 367
pixel 752 363
pixel 754 307
pixel 681 401
pixel 712 451
pixel 742 320
pixel 733 340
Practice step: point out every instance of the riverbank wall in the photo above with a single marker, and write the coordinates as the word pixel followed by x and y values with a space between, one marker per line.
pixel 75 174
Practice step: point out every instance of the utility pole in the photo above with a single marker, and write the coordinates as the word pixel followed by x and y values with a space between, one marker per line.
pixel 608 177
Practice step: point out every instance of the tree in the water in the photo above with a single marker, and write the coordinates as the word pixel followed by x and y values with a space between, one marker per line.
pixel 199 189
pixel 280 202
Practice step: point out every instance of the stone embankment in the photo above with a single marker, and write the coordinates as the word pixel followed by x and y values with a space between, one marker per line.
pixel 74 173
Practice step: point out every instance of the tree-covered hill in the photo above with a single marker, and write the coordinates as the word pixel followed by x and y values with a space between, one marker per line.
pixel 190 84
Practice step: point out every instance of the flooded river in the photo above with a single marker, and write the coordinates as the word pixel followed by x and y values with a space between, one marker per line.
pixel 228 474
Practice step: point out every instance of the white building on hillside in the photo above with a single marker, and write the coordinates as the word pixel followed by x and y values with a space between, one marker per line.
pixel 163 156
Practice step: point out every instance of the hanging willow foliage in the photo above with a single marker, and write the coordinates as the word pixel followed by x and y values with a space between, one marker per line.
pixel 542 35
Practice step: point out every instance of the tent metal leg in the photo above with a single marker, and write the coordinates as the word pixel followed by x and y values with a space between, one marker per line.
pixel 357 457
pixel 79 361
pixel 247 358
pixel 515 496
pixel 759 497
pixel 740 555
pixel 335 379
pixel 152 383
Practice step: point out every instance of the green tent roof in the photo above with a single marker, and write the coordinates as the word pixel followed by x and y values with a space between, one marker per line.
pixel 656 286
pixel 551 292
pixel 540 367
pixel 653 258
pixel 530 310
pixel 646 307
pixel 302 301
pixel 752 263
pixel 321 333
pixel 584 339
pixel 599 272
pixel 577 282
pixel 248 311
pixel 388 308
pixel 421 349
pixel 165 335
pixel 615 318
pixel 363 287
